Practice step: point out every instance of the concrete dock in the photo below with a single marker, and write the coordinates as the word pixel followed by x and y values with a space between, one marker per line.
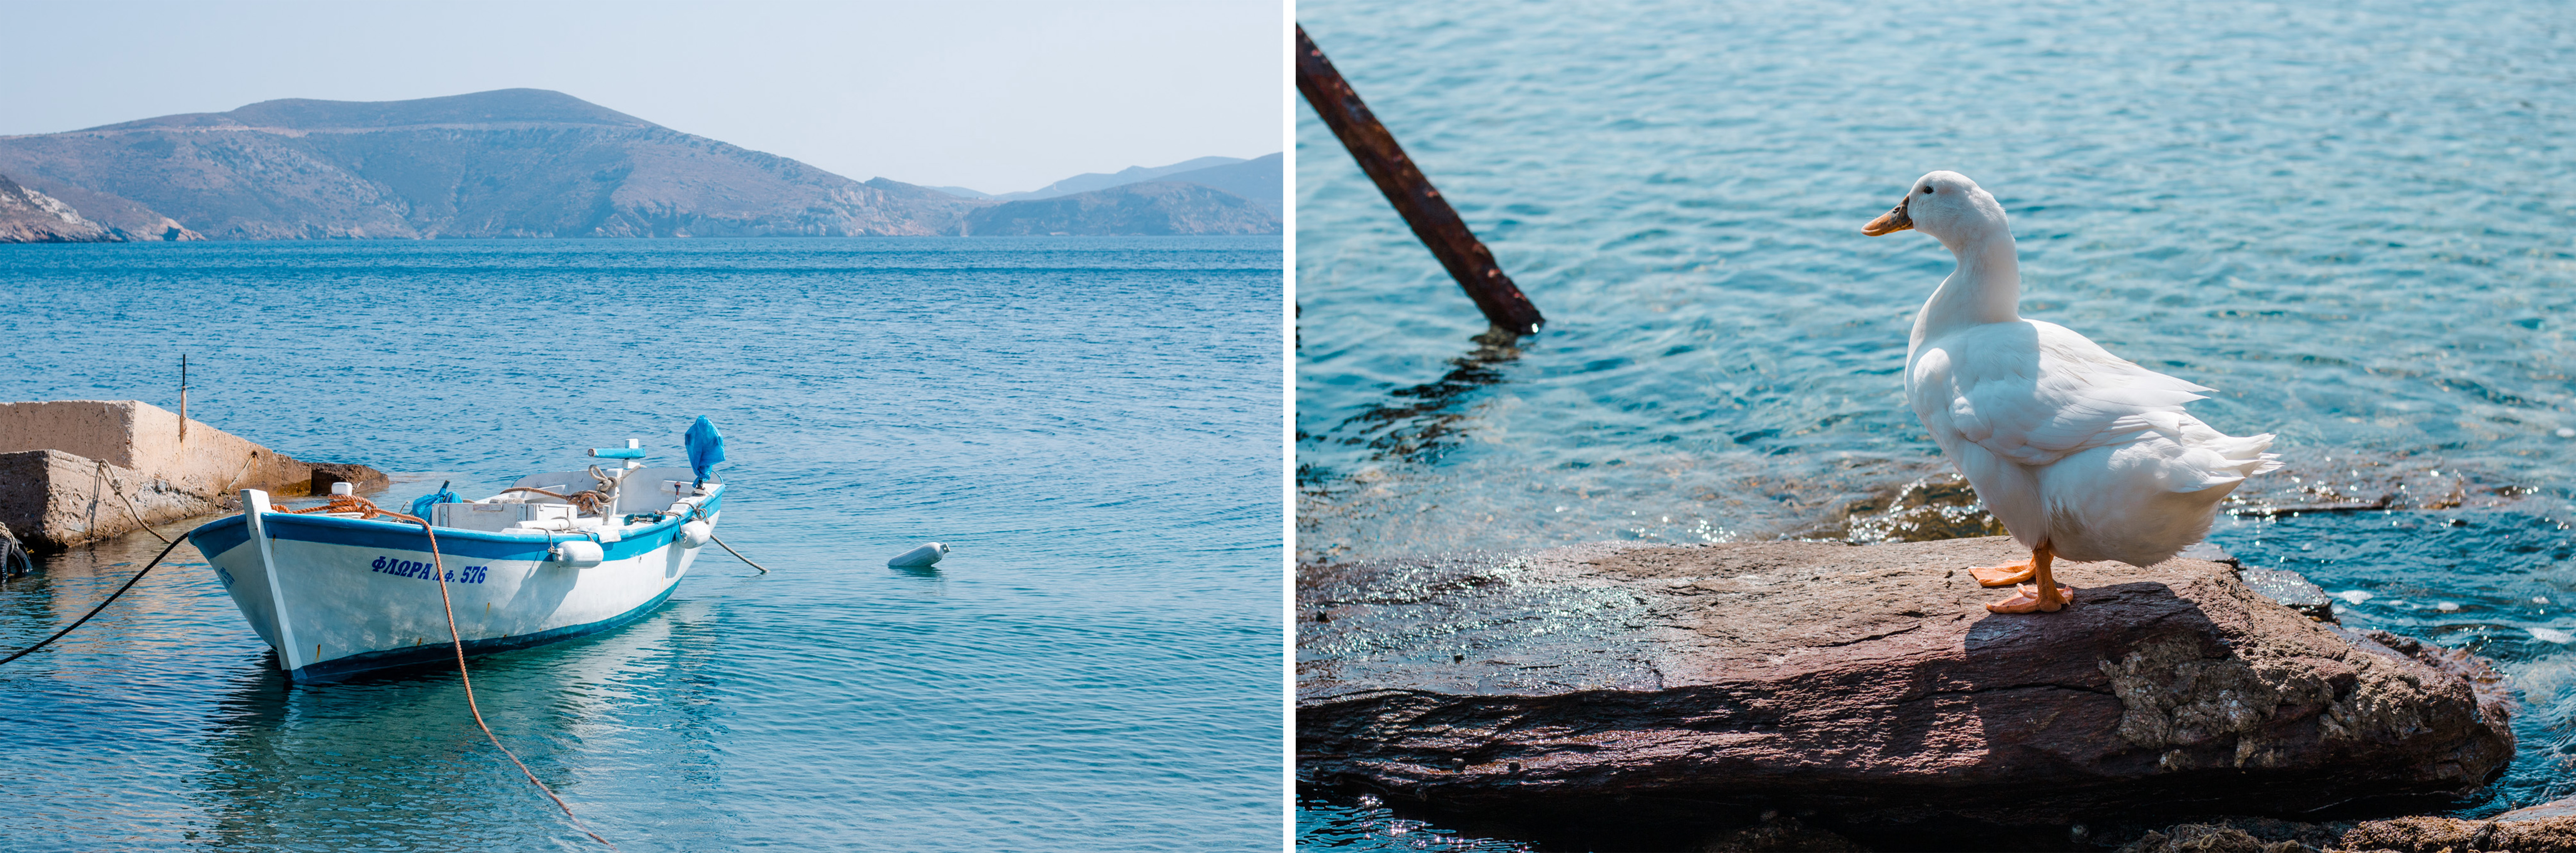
pixel 77 471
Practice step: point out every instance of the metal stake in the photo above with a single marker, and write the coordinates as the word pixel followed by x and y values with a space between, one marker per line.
pixel 1432 219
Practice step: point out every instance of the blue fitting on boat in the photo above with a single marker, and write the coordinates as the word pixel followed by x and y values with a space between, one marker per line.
pixel 617 452
pixel 422 506
pixel 706 448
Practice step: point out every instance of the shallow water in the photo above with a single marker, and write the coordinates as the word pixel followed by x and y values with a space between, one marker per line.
pixel 1090 423
pixel 2352 220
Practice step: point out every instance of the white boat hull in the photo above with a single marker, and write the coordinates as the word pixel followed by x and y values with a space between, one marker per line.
pixel 357 595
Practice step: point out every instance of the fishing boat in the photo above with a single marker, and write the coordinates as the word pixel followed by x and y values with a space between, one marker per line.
pixel 347 587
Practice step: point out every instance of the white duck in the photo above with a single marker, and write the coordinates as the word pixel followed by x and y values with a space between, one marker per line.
pixel 2079 453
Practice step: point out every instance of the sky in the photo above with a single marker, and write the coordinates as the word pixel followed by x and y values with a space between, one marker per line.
pixel 992 96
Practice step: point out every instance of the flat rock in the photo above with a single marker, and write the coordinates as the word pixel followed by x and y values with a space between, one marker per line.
pixel 1868 680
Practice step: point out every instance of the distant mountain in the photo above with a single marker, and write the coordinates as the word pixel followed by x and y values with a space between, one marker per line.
pixel 1154 207
pixel 1260 179
pixel 28 216
pixel 1089 181
pixel 508 163
pixel 528 163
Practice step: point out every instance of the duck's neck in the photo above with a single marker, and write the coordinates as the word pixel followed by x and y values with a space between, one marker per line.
pixel 1986 288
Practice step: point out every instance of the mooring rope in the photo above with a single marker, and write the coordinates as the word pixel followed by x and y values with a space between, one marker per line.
pixel 736 554
pixel 438 565
pixel 367 510
pixel 111 599
pixel 110 477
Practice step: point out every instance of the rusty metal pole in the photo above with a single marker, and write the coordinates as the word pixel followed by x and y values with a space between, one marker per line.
pixel 1423 208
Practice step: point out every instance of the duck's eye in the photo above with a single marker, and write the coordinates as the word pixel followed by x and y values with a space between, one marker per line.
pixel 1927 190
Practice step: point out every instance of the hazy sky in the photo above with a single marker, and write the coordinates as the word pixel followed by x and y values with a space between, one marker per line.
pixel 996 96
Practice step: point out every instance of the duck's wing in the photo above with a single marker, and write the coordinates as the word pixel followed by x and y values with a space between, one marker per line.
pixel 2033 392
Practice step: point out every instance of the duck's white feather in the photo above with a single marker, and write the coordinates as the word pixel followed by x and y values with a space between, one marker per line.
pixel 2033 392
pixel 2065 443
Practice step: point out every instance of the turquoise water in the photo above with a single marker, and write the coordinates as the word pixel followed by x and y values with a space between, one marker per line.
pixel 2353 220
pixel 1091 423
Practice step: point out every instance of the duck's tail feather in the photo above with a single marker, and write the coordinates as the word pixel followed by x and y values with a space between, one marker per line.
pixel 2211 458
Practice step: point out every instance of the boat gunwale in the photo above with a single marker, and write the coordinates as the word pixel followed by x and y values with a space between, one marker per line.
pixel 712 504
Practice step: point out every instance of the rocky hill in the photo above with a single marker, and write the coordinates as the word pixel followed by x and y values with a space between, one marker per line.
pixel 1150 208
pixel 28 216
pixel 508 163
pixel 1260 180
pixel 1089 181
pixel 535 163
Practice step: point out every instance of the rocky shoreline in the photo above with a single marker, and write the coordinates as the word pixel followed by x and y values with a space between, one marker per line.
pixel 1863 693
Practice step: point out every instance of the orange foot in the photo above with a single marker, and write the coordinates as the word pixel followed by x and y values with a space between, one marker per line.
pixel 2028 598
pixel 2002 575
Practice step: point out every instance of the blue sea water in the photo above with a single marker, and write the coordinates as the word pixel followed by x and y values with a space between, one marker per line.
pixel 1091 423
pixel 2354 220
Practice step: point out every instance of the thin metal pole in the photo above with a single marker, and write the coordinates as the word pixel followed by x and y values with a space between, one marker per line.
pixel 183 398
pixel 1432 219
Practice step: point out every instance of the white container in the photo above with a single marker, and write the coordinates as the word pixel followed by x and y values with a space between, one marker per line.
pixel 498 517
pixel 925 555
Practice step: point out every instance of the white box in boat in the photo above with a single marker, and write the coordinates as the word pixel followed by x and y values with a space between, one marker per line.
pixel 495 517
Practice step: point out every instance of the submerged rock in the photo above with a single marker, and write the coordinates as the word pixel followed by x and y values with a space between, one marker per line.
pixel 1669 683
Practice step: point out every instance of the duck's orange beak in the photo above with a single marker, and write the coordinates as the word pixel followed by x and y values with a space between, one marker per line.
pixel 1892 221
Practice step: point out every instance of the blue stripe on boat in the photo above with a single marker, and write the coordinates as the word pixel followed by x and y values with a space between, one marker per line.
pixel 362 662
pixel 220 535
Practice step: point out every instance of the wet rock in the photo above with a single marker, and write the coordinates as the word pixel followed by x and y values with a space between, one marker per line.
pixel 2291 589
pixel 1868 681
pixel 1930 508
pixel 2207 838
pixel 2453 835
pixel 360 478
pixel 1779 835
pixel 2555 808
pixel 2205 550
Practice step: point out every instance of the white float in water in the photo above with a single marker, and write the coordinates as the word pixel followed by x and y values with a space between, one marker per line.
pixel 917 557
pixel 2551 635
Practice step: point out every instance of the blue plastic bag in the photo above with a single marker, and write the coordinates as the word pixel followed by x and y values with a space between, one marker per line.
pixel 420 505
pixel 706 448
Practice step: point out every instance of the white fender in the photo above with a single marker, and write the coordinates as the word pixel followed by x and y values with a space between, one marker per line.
pixel 696 533
pixel 578 553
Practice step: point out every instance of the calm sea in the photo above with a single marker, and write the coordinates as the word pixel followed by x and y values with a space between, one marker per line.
pixel 1092 424
pixel 2352 219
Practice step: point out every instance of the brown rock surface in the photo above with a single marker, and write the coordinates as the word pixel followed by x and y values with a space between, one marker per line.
pixel 1868 680
pixel 2453 835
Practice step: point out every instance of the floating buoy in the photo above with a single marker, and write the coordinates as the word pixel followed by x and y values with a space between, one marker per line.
pixel 922 556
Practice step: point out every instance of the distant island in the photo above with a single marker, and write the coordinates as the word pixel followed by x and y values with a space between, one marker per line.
pixel 535 163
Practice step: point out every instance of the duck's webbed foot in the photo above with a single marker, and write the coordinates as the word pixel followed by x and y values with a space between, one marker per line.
pixel 2028 598
pixel 2041 595
pixel 2002 575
